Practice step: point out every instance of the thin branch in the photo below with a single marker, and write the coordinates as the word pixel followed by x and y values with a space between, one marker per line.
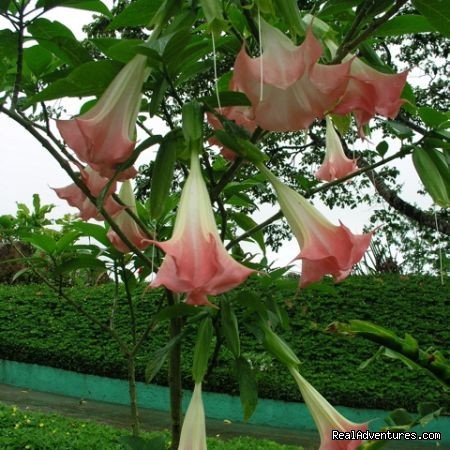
pixel 19 62
pixel 226 178
pixel 76 179
pixel 347 47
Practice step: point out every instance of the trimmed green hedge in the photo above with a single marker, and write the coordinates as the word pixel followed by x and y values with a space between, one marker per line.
pixel 21 429
pixel 37 327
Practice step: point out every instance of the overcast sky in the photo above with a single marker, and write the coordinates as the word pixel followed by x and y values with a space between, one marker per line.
pixel 27 168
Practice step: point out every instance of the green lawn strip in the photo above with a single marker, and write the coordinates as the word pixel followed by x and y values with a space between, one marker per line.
pixel 22 429
pixel 37 327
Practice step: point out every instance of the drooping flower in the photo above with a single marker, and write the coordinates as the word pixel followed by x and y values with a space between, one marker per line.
pixel 95 183
pixel 327 418
pixel 325 248
pixel 126 223
pixel 104 136
pixel 196 261
pixel 336 164
pixel 371 92
pixel 288 89
pixel 193 432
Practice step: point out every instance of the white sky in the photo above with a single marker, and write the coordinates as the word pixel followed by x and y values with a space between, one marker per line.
pixel 27 168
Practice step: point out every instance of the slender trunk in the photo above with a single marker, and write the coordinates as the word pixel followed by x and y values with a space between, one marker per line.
pixel 133 395
pixel 175 386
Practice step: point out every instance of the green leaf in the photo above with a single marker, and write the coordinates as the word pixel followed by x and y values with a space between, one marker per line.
pixel 91 78
pixel 202 348
pixel 434 173
pixel 59 40
pixel 92 230
pixel 88 5
pixel 122 50
pixel 214 15
pixel 38 59
pixel 437 12
pixel 4 5
pixel 406 24
pixel 230 328
pixel 248 389
pixel 136 14
pixel 8 44
pixel 155 364
pixel 179 310
pixel 162 174
pixel 247 223
pixel 288 10
pixel 65 241
pixel 227 98
pixel 41 241
pixel 80 262
pixel 400 417
pixel 382 148
pixel 242 147
pixel 431 117
pixel 400 130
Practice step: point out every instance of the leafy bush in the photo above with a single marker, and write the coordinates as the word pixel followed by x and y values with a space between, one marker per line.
pixel 20 429
pixel 38 327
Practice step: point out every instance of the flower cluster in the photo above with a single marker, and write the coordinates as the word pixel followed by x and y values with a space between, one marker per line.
pixel 288 89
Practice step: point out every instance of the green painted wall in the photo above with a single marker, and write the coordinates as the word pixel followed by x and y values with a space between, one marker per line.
pixel 217 406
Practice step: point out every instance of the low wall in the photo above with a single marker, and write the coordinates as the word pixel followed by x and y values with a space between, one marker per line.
pixel 217 406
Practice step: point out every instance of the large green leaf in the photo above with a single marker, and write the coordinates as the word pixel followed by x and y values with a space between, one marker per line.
pixel 59 40
pixel 406 24
pixel 8 44
pixel 162 175
pixel 247 223
pixel 437 12
pixel 248 389
pixel 92 230
pixel 137 13
pixel 230 328
pixel 88 5
pixel 91 78
pixel 433 170
pixel 202 349
pixel 38 59
pixel 121 50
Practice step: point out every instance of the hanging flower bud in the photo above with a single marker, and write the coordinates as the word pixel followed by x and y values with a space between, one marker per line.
pixel 104 136
pixel 336 164
pixel 126 223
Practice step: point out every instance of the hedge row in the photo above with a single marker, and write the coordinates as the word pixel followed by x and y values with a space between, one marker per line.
pixel 38 327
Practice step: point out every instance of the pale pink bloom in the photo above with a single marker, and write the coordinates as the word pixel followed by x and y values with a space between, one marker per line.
pixel 196 261
pixel 76 198
pixel 294 89
pixel 126 223
pixel 193 432
pixel 104 136
pixel 336 164
pixel 371 92
pixel 327 418
pixel 325 248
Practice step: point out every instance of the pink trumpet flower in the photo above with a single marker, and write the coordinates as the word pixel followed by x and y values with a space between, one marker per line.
pixel 325 248
pixel 127 224
pixel 196 261
pixel 288 89
pixel 104 136
pixel 193 432
pixel 371 92
pixel 76 198
pixel 327 418
pixel 336 164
